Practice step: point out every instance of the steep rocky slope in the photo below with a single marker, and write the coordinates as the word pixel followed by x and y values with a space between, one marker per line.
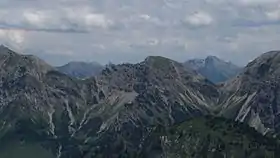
pixel 107 116
pixel 114 114
pixel 81 69
pixel 39 106
pixel 157 91
pixel 214 69
pixel 253 96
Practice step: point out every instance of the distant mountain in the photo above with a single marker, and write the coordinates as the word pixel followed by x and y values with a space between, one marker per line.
pixel 81 69
pixel 214 69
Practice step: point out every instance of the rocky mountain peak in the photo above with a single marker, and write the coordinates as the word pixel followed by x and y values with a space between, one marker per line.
pixel 5 52
pixel 195 64
pixel 15 64
pixel 212 59
pixel 168 66
pixel 267 65
pixel 158 62
pixel 153 67
pixel 262 71
pixel 213 68
pixel 255 94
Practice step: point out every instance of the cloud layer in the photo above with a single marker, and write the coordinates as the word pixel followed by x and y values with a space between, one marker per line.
pixel 129 30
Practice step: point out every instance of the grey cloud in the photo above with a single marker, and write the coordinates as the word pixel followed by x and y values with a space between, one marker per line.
pixel 64 20
pixel 109 30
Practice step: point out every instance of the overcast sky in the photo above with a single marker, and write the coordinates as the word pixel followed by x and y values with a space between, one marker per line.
pixel 129 30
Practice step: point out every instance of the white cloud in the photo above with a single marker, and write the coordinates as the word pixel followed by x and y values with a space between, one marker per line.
pixel 153 42
pixel 65 19
pixel 273 15
pixel 86 18
pixel 17 36
pixel 145 16
pixel 13 38
pixel 199 19
pixel 34 18
pixel 247 3
pixel 258 2
pixel 105 29
pixel 98 20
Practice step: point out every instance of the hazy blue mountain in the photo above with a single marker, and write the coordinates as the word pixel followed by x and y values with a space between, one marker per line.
pixel 214 69
pixel 81 69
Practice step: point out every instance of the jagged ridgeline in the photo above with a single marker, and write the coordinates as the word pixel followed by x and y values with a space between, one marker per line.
pixel 45 113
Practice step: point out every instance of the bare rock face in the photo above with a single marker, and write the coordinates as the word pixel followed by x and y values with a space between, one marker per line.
pixel 38 104
pixel 107 116
pixel 253 96
pixel 157 91
pixel 115 113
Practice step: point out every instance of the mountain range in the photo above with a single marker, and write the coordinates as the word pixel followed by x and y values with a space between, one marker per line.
pixel 212 68
pixel 155 108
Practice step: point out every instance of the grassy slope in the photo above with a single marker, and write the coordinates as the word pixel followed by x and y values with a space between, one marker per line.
pixel 24 150
pixel 217 138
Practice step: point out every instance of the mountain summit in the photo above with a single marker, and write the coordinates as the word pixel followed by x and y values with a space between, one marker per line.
pixel 16 64
pixel 254 94
pixel 213 68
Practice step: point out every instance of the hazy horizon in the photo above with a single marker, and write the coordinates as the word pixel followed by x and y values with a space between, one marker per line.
pixel 139 60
